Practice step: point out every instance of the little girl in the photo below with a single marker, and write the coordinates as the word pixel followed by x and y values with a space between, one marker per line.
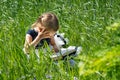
pixel 43 29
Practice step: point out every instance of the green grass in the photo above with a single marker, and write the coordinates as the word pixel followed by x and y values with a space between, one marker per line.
pixel 92 24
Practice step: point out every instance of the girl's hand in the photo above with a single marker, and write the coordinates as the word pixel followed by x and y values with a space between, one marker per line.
pixel 43 34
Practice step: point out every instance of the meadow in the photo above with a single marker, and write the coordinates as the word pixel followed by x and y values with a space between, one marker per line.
pixel 92 24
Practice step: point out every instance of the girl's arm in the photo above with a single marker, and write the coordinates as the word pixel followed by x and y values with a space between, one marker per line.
pixel 41 35
pixel 35 41
pixel 28 39
pixel 29 42
pixel 52 41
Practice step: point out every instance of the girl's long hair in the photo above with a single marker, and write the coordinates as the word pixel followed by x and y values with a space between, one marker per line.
pixel 48 20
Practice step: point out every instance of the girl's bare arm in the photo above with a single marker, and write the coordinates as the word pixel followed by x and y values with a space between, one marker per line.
pixel 54 45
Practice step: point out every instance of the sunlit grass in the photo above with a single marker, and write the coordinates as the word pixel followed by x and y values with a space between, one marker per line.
pixel 104 64
pixel 94 25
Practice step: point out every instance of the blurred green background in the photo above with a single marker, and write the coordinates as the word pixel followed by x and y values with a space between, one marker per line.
pixel 92 24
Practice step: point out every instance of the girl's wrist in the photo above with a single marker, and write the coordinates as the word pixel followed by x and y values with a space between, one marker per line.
pixel 39 35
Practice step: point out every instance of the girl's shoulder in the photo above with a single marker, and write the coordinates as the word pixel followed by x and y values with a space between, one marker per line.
pixel 32 32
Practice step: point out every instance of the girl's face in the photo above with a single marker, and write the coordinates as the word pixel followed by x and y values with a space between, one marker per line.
pixel 40 27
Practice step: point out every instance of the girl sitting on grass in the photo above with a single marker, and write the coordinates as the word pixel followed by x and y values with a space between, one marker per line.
pixel 43 29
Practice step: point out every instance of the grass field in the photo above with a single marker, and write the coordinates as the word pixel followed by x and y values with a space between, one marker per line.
pixel 92 24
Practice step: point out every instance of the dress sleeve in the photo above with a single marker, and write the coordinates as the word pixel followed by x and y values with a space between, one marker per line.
pixel 32 33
